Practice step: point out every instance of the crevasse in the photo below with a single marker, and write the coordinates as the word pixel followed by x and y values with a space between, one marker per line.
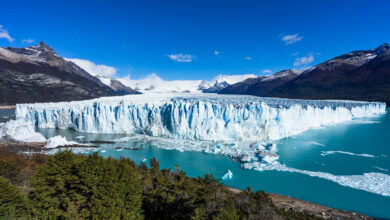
pixel 196 117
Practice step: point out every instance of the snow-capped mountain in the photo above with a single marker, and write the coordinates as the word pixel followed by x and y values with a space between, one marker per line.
pixel 261 85
pixel 358 75
pixel 154 84
pixel 117 86
pixel 223 81
pixel 38 74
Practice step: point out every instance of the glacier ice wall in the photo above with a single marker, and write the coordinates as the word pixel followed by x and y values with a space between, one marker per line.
pixel 196 117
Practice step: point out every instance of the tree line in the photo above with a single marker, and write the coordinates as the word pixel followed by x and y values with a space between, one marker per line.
pixel 71 186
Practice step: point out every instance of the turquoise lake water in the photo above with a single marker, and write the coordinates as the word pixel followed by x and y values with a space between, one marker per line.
pixel 370 137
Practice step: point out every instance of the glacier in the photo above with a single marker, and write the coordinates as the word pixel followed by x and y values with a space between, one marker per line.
pixel 196 116
pixel 241 127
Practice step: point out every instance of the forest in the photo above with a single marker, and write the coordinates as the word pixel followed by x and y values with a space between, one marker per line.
pixel 72 186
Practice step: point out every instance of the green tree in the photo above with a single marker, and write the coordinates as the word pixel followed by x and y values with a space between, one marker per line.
pixel 12 202
pixel 76 186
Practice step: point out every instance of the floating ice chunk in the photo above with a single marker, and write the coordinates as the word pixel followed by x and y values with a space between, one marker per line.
pixel 57 141
pixel 144 160
pixel 20 131
pixel 80 137
pixel 316 143
pixel 103 151
pixel 268 157
pixel 325 153
pixel 119 149
pixel 378 183
pixel 382 169
pixel 228 175
pixel 124 139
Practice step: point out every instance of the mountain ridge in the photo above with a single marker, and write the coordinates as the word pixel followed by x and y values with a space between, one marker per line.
pixel 358 75
pixel 38 74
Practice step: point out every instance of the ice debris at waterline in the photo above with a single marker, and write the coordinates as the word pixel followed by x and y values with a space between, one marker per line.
pixel 228 175
pixel 19 131
pixel 325 153
pixel 196 117
pixel 57 141
pixel 378 183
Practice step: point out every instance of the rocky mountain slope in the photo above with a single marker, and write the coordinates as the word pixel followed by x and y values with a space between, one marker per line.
pixel 117 86
pixel 358 75
pixel 38 74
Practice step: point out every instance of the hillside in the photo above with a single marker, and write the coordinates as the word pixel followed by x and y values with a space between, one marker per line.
pixel 359 75
pixel 38 74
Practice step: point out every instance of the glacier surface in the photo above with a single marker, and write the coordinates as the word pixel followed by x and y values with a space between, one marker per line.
pixel 196 117
pixel 241 127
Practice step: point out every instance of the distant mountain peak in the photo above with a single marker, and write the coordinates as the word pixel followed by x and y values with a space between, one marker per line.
pixel 44 47
pixel 383 50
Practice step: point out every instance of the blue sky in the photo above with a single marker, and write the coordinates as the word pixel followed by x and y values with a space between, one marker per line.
pixel 179 39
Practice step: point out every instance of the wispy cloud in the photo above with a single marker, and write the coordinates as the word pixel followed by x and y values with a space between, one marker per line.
pixel 267 71
pixel 248 58
pixel 28 41
pixel 94 69
pixel 294 54
pixel 291 39
pixel 4 34
pixel 216 52
pixel 304 60
pixel 182 58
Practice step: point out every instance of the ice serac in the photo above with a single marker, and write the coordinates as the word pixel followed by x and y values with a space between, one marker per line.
pixel 196 117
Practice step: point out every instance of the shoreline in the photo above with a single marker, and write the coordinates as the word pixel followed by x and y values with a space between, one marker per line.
pixel 290 203
pixel 7 106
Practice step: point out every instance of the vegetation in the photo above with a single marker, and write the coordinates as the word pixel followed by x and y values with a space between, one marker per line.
pixel 70 186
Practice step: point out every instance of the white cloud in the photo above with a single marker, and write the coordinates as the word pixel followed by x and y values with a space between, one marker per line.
pixel 216 52
pixel 182 58
pixel 248 58
pixel 290 39
pixel 4 34
pixel 28 41
pixel 304 60
pixel 267 71
pixel 294 54
pixel 94 69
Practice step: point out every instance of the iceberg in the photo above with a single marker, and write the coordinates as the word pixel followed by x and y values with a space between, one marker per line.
pixel 228 175
pixel 209 117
